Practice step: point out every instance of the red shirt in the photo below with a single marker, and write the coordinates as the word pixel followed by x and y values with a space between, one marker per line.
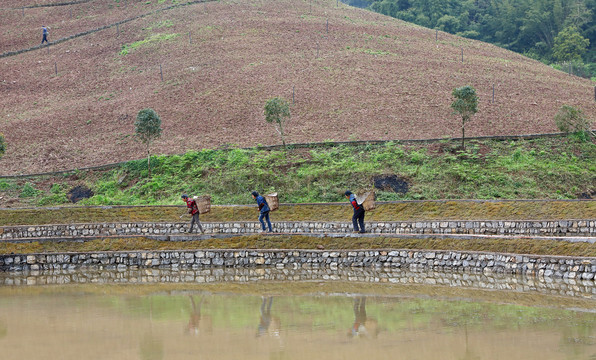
pixel 354 202
pixel 192 205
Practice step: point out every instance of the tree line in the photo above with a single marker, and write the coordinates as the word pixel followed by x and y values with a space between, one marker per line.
pixel 551 31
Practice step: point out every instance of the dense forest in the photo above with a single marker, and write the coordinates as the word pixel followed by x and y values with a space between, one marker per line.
pixel 558 32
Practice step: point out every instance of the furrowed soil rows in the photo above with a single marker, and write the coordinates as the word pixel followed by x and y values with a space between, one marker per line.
pixel 375 78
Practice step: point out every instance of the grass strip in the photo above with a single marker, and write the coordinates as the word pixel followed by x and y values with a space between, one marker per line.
pixel 401 211
pixel 553 168
pixel 284 242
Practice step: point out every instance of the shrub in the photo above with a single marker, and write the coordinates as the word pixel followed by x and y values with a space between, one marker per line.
pixel 570 119
pixel 4 185
pixel 29 191
pixel 2 145
pixel 54 199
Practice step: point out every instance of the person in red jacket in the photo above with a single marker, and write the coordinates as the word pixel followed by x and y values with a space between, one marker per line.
pixel 358 217
pixel 193 210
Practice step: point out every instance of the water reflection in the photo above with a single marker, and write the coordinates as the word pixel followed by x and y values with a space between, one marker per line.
pixel 268 325
pixel 363 326
pixel 3 330
pixel 469 354
pixel 585 289
pixel 257 321
pixel 151 345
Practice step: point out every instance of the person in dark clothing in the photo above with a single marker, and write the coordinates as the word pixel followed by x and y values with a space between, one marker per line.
pixel 358 217
pixel 193 210
pixel 44 33
pixel 263 210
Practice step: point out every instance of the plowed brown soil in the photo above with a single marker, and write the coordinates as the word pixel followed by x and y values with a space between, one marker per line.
pixel 374 78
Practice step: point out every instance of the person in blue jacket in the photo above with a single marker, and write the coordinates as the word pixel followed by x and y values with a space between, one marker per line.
pixel 44 33
pixel 358 217
pixel 263 210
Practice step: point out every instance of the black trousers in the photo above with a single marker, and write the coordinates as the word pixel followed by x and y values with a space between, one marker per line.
pixel 358 219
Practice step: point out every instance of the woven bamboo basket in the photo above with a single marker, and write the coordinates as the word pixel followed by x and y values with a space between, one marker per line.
pixel 203 203
pixel 272 201
pixel 366 199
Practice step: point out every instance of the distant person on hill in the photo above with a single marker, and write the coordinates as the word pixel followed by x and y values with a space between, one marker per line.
pixel 358 217
pixel 193 210
pixel 45 30
pixel 263 210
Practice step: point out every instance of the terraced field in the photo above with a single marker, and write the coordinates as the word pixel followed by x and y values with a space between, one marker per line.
pixel 350 74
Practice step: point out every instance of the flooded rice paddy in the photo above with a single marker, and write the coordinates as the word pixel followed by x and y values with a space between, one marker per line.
pixel 299 314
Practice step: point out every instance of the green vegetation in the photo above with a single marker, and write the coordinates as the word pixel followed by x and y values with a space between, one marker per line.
pixel 2 145
pixel 569 45
pixel 29 191
pixel 547 30
pixel 551 168
pixel 372 52
pixel 570 119
pixel 128 48
pixel 56 196
pixel 160 24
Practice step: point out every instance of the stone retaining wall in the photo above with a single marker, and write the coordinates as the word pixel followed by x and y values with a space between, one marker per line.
pixel 586 228
pixel 530 265
pixel 458 279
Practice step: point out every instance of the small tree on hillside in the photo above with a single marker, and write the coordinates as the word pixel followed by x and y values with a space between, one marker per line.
pixel 569 119
pixel 147 129
pixel 277 111
pixel 466 105
pixel 2 145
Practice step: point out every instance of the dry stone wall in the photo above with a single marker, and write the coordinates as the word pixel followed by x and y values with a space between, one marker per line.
pixel 584 228
pixel 487 263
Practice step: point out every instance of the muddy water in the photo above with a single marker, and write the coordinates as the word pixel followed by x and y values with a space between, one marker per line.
pixel 243 318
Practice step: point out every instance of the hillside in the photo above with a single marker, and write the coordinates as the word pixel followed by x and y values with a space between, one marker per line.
pixel 374 78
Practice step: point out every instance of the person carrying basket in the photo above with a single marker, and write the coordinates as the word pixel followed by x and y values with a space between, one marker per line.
pixel 358 217
pixel 193 210
pixel 263 210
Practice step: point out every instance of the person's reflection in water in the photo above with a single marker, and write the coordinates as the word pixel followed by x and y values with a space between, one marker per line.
pixel 195 318
pixel 265 323
pixel 151 346
pixel 363 326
